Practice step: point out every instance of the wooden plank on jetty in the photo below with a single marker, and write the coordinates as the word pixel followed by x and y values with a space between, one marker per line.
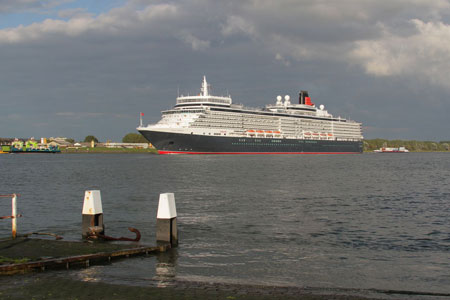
pixel 79 260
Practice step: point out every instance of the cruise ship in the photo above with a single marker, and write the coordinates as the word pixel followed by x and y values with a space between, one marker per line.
pixel 207 124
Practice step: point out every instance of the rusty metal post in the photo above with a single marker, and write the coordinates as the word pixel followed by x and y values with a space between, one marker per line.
pixel 14 216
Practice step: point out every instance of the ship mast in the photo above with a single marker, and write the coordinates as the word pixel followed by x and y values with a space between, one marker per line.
pixel 205 87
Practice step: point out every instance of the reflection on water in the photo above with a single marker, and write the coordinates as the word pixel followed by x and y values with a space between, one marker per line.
pixel 91 274
pixel 165 269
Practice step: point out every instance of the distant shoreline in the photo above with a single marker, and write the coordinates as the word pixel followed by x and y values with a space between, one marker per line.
pixel 411 145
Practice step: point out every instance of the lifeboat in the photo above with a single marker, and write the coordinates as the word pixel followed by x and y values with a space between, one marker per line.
pixel 315 134
pixel 260 131
pixel 323 134
pixel 277 132
pixel 250 130
pixel 269 131
pixel 307 133
pixel 330 134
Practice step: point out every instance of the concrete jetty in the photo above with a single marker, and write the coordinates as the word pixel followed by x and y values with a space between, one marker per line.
pixel 22 255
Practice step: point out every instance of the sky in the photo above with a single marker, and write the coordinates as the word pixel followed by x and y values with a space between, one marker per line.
pixel 74 68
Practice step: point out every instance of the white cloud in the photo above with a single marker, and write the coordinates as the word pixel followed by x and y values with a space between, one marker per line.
pixel 237 25
pixel 117 20
pixel 194 42
pixel 386 38
pixel 424 54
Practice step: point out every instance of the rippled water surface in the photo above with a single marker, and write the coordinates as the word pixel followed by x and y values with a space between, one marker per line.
pixel 353 221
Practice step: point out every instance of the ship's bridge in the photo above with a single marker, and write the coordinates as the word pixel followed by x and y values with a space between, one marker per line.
pixel 204 98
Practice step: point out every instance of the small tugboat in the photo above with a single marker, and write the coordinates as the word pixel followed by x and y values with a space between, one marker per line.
pixel 391 150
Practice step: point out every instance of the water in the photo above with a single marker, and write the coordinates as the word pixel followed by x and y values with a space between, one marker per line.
pixel 366 221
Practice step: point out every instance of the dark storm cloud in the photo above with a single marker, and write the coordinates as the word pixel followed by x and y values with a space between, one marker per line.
pixel 384 64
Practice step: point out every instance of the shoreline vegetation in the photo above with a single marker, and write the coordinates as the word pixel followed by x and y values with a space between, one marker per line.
pixel 411 145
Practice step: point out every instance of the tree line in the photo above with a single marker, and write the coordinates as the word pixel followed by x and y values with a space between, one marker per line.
pixel 128 138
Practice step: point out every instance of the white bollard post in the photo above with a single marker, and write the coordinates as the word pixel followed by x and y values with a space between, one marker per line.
pixel 92 219
pixel 14 216
pixel 166 220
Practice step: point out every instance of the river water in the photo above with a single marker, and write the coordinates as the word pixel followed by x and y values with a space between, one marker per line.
pixel 370 221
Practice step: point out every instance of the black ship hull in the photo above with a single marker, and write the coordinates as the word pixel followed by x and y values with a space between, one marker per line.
pixel 175 143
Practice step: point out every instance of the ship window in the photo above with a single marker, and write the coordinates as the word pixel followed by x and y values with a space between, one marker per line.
pixel 171 143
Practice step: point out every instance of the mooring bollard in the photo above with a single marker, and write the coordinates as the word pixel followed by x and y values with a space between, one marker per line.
pixel 166 220
pixel 92 221
pixel 14 216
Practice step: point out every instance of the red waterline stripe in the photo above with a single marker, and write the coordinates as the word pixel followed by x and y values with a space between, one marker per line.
pixel 187 152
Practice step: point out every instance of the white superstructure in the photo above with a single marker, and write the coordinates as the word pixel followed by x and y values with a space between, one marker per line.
pixel 205 114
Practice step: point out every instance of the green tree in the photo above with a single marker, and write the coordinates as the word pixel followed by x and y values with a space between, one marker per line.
pixel 134 138
pixel 89 138
pixel 70 140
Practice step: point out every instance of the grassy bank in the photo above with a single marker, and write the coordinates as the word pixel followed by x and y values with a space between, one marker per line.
pixel 107 150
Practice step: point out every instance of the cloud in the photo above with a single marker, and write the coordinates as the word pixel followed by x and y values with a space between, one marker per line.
pixel 117 21
pixel 194 42
pixel 237 25
pixel 389 38
pixel 7 6
pixel 425 53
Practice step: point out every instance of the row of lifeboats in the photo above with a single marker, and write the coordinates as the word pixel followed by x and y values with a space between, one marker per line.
pixel 320 135
pixel 264 131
